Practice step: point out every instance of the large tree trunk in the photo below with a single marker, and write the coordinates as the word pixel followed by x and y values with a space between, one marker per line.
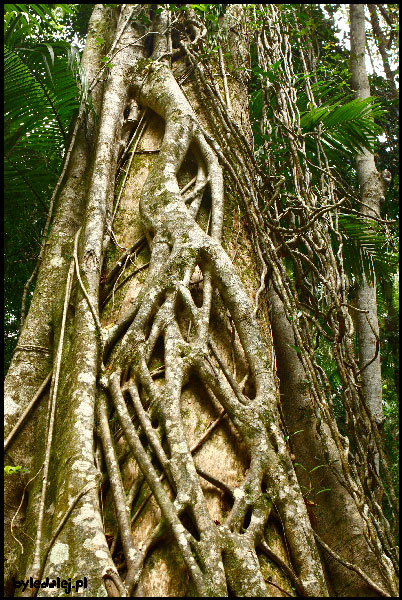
pixel 36 349
pixel 161 467
pixel 333 512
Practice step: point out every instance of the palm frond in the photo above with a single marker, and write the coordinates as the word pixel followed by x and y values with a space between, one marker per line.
pixel 366 248
pixel 347 128
pixel 25 21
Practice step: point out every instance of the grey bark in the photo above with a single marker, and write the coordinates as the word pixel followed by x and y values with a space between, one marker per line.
pixel 333 513
pixel 221 368
pixel 372 188
pixel 32 359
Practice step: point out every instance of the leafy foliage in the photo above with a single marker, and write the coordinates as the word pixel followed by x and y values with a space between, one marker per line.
pixel 9 470
pixel 31 21
pixel 345 128
pixel 366 248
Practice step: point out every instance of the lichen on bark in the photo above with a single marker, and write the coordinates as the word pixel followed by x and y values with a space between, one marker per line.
pixel 168 454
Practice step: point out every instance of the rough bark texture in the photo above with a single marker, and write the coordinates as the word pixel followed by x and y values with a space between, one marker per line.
pixel 35 351
pixel 332 511
pixel 165 468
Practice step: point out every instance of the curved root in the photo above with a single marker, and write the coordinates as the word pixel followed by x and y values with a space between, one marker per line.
pixel 215 554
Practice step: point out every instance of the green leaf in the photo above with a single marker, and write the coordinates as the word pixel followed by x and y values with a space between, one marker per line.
pixel 366 248
pixel 347 128
pixel 295 432
pixel 9 470
pixel 317 467
pixel 295 348
pixel 51 52
pixel 144 18
pixel 275 66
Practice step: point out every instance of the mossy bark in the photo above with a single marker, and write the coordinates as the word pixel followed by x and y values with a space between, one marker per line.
pixel 167 382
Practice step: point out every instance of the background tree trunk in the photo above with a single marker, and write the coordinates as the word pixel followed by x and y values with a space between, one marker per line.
pixel 382 46
pixel 372 188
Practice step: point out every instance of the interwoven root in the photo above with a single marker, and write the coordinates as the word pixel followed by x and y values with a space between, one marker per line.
pixel 216 555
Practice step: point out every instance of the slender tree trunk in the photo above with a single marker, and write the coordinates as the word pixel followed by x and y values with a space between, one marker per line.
pixel 372 188
pixel 382 46
pixel 392 329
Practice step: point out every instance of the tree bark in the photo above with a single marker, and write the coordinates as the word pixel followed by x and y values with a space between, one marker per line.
pixel 161 465
pixel 372 188
pixel 332 510
pixel 35 352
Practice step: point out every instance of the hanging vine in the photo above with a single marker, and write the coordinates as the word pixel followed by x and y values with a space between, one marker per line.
pixel 296 217
pixel 131 375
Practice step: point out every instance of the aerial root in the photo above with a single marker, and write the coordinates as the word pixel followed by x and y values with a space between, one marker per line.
pixel 179 245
